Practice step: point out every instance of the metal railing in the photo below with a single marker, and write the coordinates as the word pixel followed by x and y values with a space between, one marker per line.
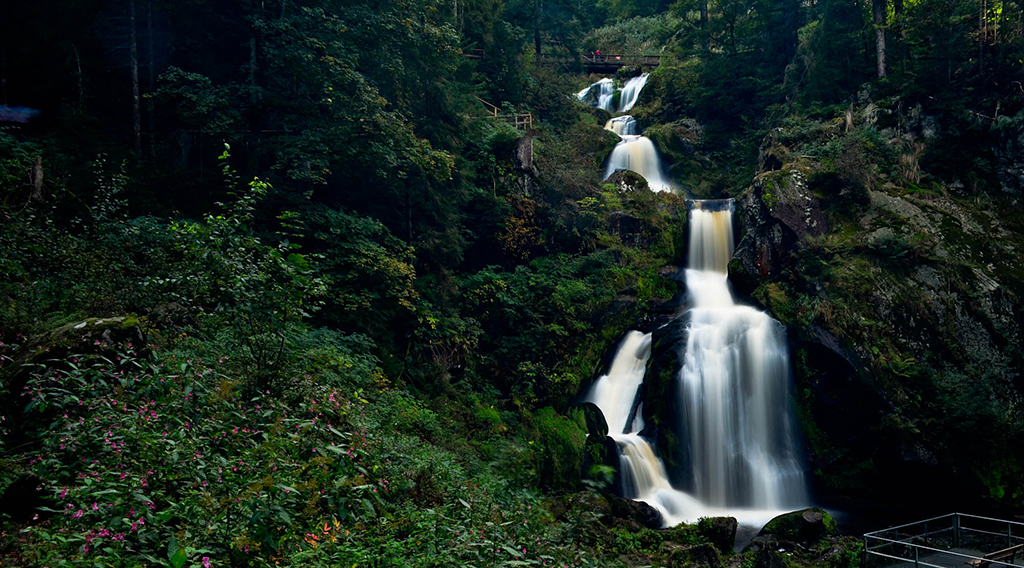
pixel 952 540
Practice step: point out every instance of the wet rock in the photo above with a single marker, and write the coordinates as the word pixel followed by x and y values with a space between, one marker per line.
pixel 628 181
pixel 805 526
pixel 721 532
pixel 693 556
pixel 636 511
pixel 597 426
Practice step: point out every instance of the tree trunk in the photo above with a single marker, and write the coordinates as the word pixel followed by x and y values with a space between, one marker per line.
pixel 536 28
pixel 982 34
pixel 408 210
pixel 79 80
pixel 150 81
pixel 878 9
pixel 136 112
pixel 704 25
pixel 3 74
pixel 254 112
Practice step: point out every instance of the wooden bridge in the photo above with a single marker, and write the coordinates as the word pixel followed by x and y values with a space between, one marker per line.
pixel 593 63
pixel 605 62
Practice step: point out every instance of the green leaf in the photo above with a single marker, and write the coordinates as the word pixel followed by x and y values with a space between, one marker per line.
pixel 176 554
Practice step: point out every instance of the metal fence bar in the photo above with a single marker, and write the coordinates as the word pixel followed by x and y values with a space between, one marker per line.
pixel 990 519
pixel 949 552
pixel 1006 534
pixel 922 563
pixel 911 524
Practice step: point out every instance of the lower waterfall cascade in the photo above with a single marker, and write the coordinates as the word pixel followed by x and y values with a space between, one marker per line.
pixel 732 411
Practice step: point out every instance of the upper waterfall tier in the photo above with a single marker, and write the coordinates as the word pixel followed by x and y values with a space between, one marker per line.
pixel 602 94
pixel 631 92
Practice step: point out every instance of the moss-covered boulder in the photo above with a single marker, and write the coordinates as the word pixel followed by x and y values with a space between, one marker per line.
pixel 674 555
pixel 778 213
pixel 805 526
pixel 90 336
pixel 720 531
pixel 637 511
pixel 628 181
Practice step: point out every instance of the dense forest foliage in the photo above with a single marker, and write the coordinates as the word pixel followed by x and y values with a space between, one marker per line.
pixel 280 287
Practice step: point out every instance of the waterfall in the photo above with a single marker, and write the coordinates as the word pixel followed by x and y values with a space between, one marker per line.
pixel 638 154
pixel 623 125
pixel 633 152
pixel 733 408
pixel 617 394
pixel 734 384
pixel 631 91
pixel 601 95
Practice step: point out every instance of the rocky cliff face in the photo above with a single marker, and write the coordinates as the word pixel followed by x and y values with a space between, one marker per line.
pixel 905 307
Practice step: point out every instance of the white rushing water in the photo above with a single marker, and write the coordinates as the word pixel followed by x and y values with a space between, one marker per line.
pixel 638 154
pixel 734 400
pixel 631 92
pixel 633 152
pixel 734 384
pixel 601 95
pixel 623 125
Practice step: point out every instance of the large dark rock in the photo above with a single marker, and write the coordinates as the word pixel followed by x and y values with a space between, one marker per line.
pixel 778 213
pixel 630 229
pixel 720 531
pixel 806 526
pixel 693 556
pixel 597 426
pixel 636 511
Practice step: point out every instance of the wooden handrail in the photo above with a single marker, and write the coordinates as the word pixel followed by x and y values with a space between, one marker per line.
pixel 522 120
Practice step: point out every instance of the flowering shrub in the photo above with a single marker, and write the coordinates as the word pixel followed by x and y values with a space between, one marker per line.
pixel 162 463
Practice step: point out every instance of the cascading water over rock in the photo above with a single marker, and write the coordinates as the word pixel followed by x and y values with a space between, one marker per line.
pixel 631 92
pixel 634 152
pixel 601 95
pixel 733 412
pixel 734 383
pixel 638 154
pixel 623 125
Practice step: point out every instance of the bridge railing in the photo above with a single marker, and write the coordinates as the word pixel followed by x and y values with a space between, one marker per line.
pixel 952 540
pixel 521 120
pixel 620 59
